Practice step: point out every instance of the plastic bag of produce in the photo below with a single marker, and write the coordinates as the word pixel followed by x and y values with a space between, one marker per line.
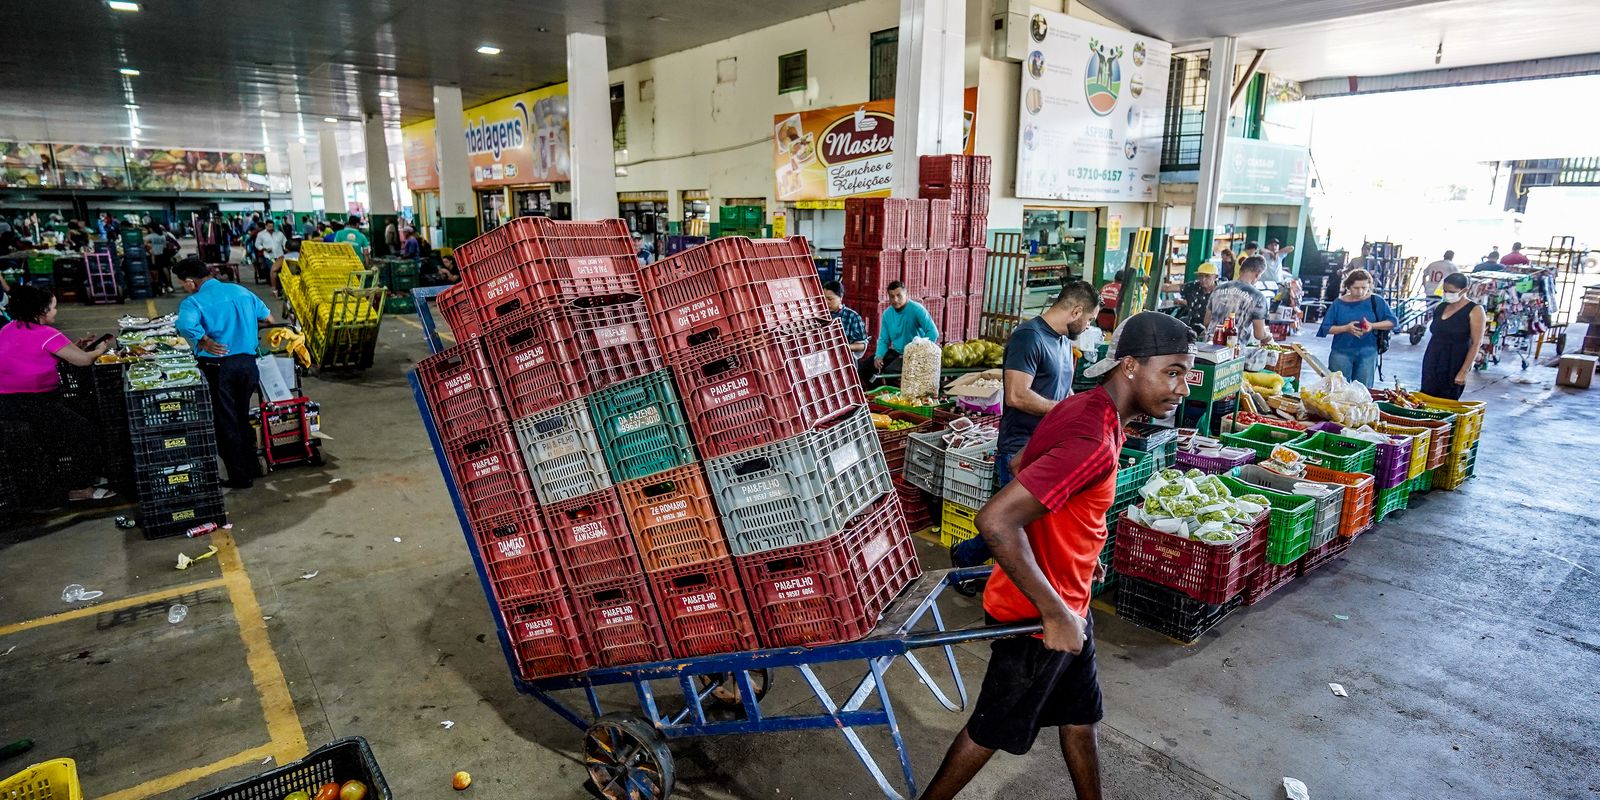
pixel 919 371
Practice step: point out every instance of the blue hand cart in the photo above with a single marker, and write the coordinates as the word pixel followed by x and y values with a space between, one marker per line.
pixel 625 749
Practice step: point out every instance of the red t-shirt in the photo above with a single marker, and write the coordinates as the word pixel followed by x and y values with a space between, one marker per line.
pixel 1514 259
pixel 1070 465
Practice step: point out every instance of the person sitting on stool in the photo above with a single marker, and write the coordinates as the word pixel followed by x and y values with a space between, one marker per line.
pixel 223 321
pixel 905 319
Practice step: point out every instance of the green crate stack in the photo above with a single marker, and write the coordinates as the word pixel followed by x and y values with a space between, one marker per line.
pixel 740 221
pixel 1423 482
pixel 1290 524
pixel 41 263
pixel 1338 453
pixel 641 427
pixel 399 304
pixel 1392 500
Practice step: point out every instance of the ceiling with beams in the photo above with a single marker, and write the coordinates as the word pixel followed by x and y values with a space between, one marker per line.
pixel 240 75
pixel 1307 39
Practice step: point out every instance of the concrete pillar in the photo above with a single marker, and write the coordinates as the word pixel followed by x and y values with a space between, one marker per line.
pixel 457 207
pixel 594 167
pixel 334 204
pixel 929 85
pixel 299 183
pixel 1213 140
pixel 380 186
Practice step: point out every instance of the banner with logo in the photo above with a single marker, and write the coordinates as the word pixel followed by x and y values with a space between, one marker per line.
pixel 1264 173
pixel 1093 100
pixel 844 151
pixel 422 156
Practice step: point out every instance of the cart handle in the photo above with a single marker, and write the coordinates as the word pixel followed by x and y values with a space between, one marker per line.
pixel 963 635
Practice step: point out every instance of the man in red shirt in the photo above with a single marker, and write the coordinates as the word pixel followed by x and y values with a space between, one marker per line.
pixel 1515 258
pixel 1047 528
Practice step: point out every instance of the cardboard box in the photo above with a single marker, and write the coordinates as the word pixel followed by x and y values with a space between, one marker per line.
pixel 969 395
pixel 1576 370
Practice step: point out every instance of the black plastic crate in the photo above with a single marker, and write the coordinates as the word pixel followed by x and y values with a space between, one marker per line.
pixel 196 477
pixel 348 759
pixel 177 445
pixel 162 408
pixel 1168 611
pixel 172 517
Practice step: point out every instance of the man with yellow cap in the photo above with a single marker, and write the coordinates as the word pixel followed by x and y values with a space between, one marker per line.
pixel 1195 295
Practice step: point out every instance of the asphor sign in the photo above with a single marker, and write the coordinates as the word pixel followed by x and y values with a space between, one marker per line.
pixel 844 151
pixel 1093 100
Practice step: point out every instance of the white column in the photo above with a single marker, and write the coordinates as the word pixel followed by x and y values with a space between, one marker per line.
pixel 594 168
pixel 928 86
pixel 1214 134
pixel 299 179
pixel 455 172
pixel 333 200
pixel 380 186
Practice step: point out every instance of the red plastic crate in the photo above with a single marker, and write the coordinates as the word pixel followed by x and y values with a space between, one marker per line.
pixel 488 243
pixel 976 230
pixel 673 519
pixel 835 589
pixel 978 169
pixel 591 537
pixel 917 215
pixel 977 270
pixel 1212 574
pixel 517 556
pixel 455 305
pixel 914 272
pixel 771 386
pixel 489 473
pixel 935 307
pixel 940 232
pixel 727 287
pixel 570 238
pixel 461 390
pixel 619 621
pixel 953 168
pixel 939 272
pixel 1320 556
pixel 545 633
pixel 959 195
pixel 1268 578
pixel 872 316
pixel 978 204
pixel 498 285
pixel 953 324
pixel 703 609
pixel 866 273
pixel 974 323
pixel 914 504
pixel 535 369
pixel 876 222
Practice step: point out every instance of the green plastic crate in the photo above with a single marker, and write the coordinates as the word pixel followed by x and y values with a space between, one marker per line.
pixel 399 304
pixel 641 427
pixel 1338 453
pixel 1392 500
pixel 1423 482
pixel 1289 525
pixel 1133 472
pixel 1417 413
pixel 1261 439
pixel 41 264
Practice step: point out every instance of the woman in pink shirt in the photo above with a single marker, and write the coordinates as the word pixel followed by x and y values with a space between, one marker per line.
pixel 30 352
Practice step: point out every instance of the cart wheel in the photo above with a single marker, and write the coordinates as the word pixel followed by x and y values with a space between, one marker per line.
pixel 316 457
pixel 627 759
pixel 726 695
pixel 1416 334
pixel 1561 344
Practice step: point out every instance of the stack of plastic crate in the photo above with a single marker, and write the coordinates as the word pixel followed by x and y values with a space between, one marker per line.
pixel 796 475
pixel 958 185
pixel 337 303
pixel 135 264
pixel 907 240
pixel 100 277
pixel 174 459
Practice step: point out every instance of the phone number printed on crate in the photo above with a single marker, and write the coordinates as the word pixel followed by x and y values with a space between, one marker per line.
pixel 701 603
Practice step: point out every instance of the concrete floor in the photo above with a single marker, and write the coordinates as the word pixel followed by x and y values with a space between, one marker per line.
pixel 1470 644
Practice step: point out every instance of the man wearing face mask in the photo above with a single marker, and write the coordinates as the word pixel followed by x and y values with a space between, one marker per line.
pixel 1038 375
pixel 1455 335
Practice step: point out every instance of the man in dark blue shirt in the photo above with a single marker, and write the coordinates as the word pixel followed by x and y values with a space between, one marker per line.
pixel 1037 375
pixel 855 328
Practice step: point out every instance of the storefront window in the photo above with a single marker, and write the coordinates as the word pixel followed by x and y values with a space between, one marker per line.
pixel 1059 242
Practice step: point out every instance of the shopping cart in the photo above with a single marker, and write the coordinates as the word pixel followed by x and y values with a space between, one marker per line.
pixel 626 748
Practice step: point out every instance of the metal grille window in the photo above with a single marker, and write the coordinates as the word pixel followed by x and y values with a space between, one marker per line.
pixel 1189 80
pixel 792 72
pixel 884 59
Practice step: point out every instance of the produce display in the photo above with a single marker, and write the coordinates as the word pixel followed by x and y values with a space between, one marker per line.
pixel 976 353
pixel 164 373
pixel 1266 383
pixel 349 790
pixel 884 422
pixel 1196 506
pixel 1345 402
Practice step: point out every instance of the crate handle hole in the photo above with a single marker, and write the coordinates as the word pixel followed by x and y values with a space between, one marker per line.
pixel 659 489
pixel 687 581
pixel 753 466
pixel 719 366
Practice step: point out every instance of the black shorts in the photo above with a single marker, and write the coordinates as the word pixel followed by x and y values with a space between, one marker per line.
pixel 1029 687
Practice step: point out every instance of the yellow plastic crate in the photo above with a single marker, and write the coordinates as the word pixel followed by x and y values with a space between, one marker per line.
pixel 1421 441
pixel 1469 419
pixel 329 257
pixel 50 780
pixel 957 523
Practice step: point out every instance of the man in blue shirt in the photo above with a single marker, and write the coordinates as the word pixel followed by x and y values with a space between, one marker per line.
pixel 905 319
pixel 223 322
pixel 855 329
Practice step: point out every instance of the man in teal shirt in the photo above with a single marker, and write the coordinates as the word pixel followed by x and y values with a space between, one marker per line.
pixel 352 235
pixel 905 319
pixel 223 321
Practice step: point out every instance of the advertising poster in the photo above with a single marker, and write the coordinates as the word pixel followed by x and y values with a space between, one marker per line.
pixel 844 151
pixel 87 166
pixel 153 169
pixel 1263 173
pixel 520 139
pixel 422 156
pixel 25 164
pixel 1091 114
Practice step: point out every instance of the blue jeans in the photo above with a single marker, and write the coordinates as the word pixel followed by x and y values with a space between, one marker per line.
pixel 975 551
pixel 1356 365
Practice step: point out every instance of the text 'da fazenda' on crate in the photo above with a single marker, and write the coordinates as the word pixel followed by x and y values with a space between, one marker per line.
pixel 619 621
pixel 703 609
pixel 592 538
pixel 562 454
pixel 771 386
pixel 835 589
pixel 673 519
pixel 641 427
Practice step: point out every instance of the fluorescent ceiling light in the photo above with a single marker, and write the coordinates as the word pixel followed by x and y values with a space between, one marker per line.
pixel 488 49
pixel 129 71
pixel 122 5
pixel 131 106
pixel 137 131
pixel 329 119
pixel 302 140
pixel 386 94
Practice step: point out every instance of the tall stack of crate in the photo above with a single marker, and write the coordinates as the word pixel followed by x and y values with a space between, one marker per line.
pixel 334 297
pixel 798 477
pixel 174 459
pixel 135 263
pixel 933 244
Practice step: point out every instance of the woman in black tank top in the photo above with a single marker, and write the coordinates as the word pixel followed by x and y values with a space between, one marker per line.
pixel 1456 333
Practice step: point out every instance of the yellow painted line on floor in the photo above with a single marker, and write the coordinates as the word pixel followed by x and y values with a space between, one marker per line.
pixel 180 779
pixel 150 308
pixel 113 605
pixel 283 722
